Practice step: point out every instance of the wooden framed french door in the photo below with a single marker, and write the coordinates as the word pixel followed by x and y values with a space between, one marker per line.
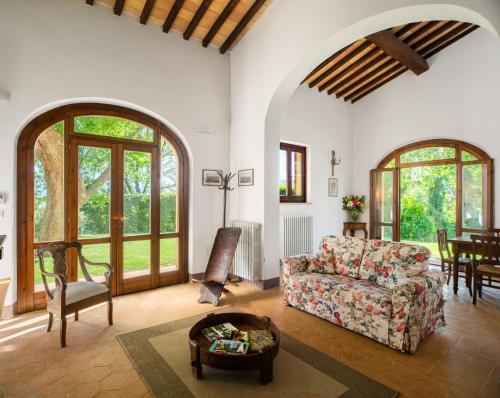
pixel 115 180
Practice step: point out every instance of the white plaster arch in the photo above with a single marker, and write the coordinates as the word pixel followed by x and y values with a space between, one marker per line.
pixel 311 57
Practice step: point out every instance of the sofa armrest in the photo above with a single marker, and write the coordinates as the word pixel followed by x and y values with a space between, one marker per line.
pixel 408 290
pixel 292 265
pixel 417 308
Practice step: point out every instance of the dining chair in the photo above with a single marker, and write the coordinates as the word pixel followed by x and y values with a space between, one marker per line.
pixel 486 257
pixel 447 260
pixel 70 297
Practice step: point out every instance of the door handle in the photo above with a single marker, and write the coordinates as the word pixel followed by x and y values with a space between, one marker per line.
pixel 119 218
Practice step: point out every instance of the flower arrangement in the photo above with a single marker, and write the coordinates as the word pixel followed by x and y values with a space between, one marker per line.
pixel 354 205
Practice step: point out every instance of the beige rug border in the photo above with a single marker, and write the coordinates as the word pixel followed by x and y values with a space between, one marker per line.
pixel 162 381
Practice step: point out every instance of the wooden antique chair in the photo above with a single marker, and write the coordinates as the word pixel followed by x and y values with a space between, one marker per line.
pixel 219 264
pixel 486 256
pixel 70 297
pixel 447 260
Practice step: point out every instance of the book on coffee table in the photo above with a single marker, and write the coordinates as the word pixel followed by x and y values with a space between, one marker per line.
pixel 259 339
pixel 222 331
pixel 229 347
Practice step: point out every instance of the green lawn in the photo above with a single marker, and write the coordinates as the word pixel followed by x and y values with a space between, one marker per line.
pixel 136 256
pixel 432 246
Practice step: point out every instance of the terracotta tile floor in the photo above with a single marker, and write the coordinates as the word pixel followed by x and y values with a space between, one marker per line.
pixel 461 360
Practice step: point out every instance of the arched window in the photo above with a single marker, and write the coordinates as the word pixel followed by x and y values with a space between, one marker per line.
pixel 431 184
pixel 112 178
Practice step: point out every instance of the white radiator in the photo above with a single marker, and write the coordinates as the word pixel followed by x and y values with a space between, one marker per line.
pixel 296 235
pixel 246 263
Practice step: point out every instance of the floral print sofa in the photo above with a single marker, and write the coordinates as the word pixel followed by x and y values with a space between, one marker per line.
pixel 380 289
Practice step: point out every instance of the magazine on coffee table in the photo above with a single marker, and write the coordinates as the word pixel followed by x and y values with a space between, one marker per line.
pixel 229 347
pixel 222 331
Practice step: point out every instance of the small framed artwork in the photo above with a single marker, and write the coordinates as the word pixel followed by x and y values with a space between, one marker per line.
pixel 212 178
pixel 245 178
pixel 333 187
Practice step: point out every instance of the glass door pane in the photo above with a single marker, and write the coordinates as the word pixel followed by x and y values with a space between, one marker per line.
pixel 474 196
pixel 168 188
pixel 137 193
pixel 428 202
pixel 382 204
pixel 137 168
pixel 94 192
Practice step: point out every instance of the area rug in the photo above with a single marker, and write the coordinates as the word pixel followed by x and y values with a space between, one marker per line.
pixel 161 356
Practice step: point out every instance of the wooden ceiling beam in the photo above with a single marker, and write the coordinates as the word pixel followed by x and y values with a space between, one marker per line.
pixel 323 64
pixel 118 7
pixel 420 32
pixel 432 44
pixel 172 15
pixel 379 84
pixel 442 45
pixel 360 65
pixel 399 50
pixel 146 11
pixel 336 66
pixel 405 29
pixel 436 32
pixel 354 77
pixel 198 15
pixel 228 9
pixel 241 25
pixel 362 81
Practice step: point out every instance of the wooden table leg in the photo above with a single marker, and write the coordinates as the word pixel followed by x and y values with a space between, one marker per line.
pixel 266 368
pixel 456 255
pixel 196 367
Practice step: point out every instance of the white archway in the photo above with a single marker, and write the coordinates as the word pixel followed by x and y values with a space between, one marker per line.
pixel 295 56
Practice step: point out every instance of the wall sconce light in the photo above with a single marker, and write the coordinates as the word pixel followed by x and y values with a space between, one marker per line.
pixel 335 162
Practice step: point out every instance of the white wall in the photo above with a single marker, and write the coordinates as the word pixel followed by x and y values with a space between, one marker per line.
pixel 61 49
pixel 323 124
pixel 457 98
pixel 277 53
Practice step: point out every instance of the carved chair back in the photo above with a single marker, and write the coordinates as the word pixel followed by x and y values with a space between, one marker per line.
pixel 444 249
pixel 58 252
pixel 486 249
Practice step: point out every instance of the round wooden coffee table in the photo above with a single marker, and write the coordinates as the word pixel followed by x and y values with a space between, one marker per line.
pixel 261 360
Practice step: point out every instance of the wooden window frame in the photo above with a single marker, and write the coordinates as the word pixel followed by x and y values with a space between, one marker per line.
pixel 284 146
pixel 27 298
pixel 459 146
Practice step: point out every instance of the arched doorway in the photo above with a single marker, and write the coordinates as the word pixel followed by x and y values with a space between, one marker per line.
pixel 430 184
pixel 114 179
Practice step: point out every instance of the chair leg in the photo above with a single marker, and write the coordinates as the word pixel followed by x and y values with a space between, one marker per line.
pixel 63 330
pixel 480 288
pixel 110 312
pixel 469 277
pixel 449 274
pixel 474 294
pixel 51 320
pixel 76 316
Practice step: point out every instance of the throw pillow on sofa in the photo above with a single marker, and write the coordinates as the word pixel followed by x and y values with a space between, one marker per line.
pixel 339 254
pixel 347 255
pixel 385 263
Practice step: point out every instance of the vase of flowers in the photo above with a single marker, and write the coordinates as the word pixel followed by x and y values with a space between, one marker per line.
pixel 354 205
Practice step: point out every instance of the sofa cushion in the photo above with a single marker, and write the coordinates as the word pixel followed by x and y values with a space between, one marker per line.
pixel 316 284
pixel 339 254
pixel 385 263
pixel 364 296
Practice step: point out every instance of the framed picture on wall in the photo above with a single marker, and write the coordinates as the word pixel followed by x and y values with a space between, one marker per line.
pixel 245 178
pixel 333 187
pixel 211 178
